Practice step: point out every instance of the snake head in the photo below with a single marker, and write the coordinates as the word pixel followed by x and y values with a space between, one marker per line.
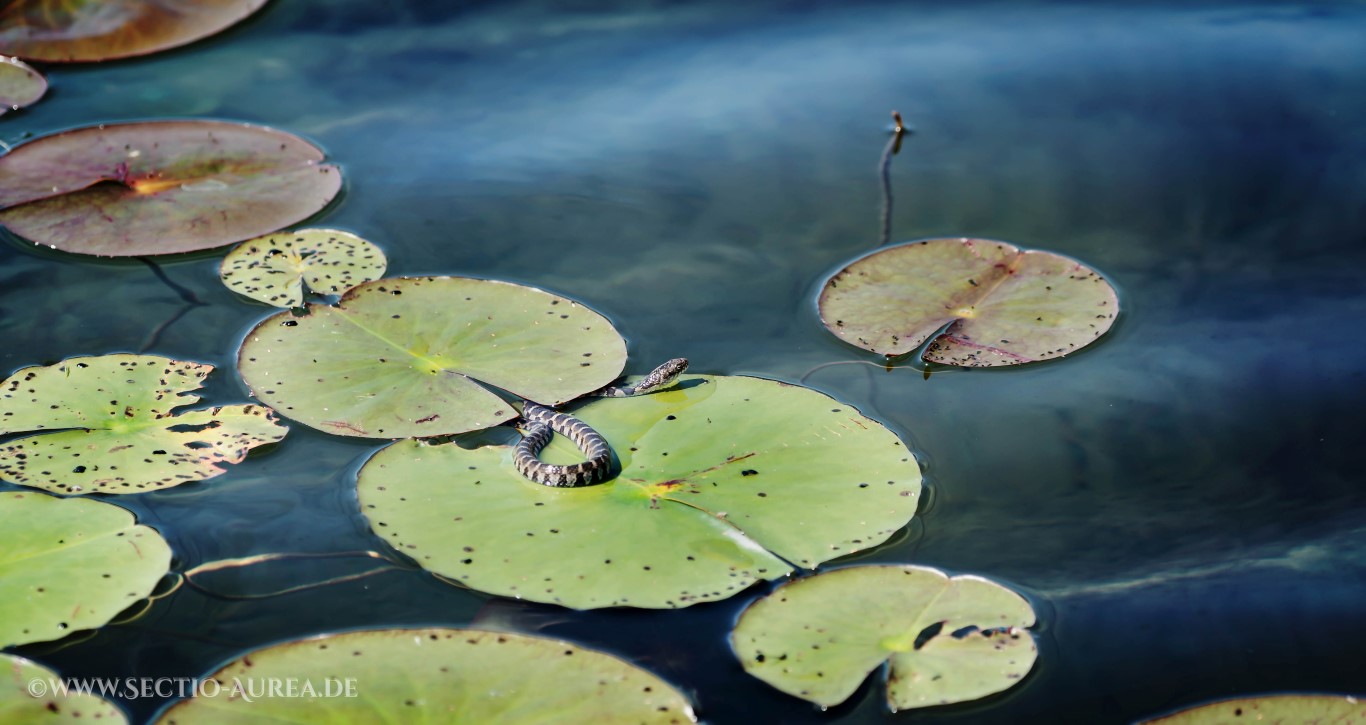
pixel 663 376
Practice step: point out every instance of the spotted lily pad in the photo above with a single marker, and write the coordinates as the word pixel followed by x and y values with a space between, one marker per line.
pixel 70 563
pixel 948 639
pixel 113 429
pixel 20 85
pixel 89 30
pixel 1281 709
pixel 433 675
pixel 273 269
pixel 161 187
pixel 399 358
pixel 1003 305
pixel 34 694
pixel 724 481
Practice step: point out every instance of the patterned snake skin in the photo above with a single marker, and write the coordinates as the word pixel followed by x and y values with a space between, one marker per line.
pixel 543 423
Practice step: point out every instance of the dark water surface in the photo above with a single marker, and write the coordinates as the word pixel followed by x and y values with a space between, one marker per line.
pixel 1183 502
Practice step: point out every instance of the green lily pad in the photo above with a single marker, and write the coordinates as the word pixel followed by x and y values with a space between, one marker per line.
pixel 433 675
pixel 1280 709
pixel 1006 305
pixel 20 85
pixel 399 358
pixel 35 694
pixel 161 187
pixel 114 431
pixel 725 480
pixel 948 639
pixel 90 30
pixel 273 269
pixel 68 564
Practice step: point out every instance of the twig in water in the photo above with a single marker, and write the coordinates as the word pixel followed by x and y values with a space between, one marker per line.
pixel 893 146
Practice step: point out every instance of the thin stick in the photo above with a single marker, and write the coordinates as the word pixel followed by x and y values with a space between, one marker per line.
pixel 893 146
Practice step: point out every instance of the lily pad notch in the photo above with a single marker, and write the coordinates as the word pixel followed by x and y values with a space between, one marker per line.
pixel 945 639
pixel 161 187
pixel 979 303
pixel 724 482
pixel 419 357
pixel 275 268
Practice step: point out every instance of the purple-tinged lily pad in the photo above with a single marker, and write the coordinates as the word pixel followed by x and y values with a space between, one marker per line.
pixel 91 30
pixel 20 85
pixel 161 187
pixel 1003 305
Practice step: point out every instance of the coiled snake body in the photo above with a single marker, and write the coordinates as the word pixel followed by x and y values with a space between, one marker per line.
pixel 544 422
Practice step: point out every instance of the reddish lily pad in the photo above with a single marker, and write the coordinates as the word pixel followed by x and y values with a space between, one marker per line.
pixel 161 187
pixel 91 30
pixel 1003 305
pixel 20 85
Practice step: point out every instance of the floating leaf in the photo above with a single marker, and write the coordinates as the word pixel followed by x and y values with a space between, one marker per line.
pixel 20 85
pixel 273 269
pixel 70 563
pixel 724 480
pixel 161 187
pixel 1281 709
pixel 434 675
pixel 89 30
pixel 1007 306
pixel 948 639
pixel 35 694
pixel 114 430
pixel 399 358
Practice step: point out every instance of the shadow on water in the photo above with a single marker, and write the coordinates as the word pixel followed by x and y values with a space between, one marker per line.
pixel 1182 502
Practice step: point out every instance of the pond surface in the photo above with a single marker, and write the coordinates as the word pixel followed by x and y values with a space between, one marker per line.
pixel 1182 502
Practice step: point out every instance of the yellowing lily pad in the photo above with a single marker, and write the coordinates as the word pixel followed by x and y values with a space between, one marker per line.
pixel 1003 305
pixel 31 693
pixel 1280 709
pixel 433 676
pixel 161 187
pixel 273 269
pixel 948 639
pixel 112 426
pixel 90 30
pixel 399 358
pixel 20 85
pixel 725 481
pixel 68 564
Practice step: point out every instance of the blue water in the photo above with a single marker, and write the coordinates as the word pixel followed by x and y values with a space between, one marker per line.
pixel 1182 502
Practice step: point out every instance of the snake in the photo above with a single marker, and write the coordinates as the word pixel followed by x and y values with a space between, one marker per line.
pixel 543 422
